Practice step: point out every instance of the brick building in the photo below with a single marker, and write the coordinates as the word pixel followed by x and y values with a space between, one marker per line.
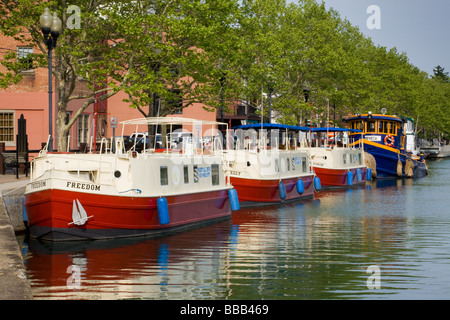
pixel 30 98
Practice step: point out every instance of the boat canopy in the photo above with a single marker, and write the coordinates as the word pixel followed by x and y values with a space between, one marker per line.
pixel 325 129
pixel 288 127
pixel 168 121
pixel 373 117
pixel 270 126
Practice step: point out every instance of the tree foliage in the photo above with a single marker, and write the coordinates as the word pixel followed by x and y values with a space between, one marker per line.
pixel 151 50
pixel 220 51
pixel 296 47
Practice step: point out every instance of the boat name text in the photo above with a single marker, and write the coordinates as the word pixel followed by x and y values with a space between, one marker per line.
pixel 373 138
pixel 82 186
pixel 38 184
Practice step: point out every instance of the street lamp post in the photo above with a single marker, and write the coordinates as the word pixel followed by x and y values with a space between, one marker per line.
pixel 51 27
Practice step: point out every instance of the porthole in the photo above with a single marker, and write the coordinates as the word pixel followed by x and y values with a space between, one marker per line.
pixel 117 174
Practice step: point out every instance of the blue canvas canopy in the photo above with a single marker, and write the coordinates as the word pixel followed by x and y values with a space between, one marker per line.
pixel 270 126
pixel 288 127
pixel 334 130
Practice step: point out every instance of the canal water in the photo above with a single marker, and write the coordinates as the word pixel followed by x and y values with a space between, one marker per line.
pixel 387 240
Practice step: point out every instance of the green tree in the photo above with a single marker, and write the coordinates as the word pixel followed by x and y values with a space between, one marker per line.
pixel 148 49
pixel 438 73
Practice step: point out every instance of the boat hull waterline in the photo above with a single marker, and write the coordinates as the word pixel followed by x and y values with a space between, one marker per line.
pixel 339 178
pixel 126 193
pixel 255 192
pixel 49 214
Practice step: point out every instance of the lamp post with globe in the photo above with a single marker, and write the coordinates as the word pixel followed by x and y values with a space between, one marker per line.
pixel 51 27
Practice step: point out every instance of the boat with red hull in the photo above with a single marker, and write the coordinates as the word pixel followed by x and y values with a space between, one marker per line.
pixel 341 178
pixel 268 191
pixel 264 169
pixel 127 193
pixel 337 164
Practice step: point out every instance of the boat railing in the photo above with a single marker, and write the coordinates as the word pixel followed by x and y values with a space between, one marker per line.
pixel 44 150
pixel 77 166
pixel 105 141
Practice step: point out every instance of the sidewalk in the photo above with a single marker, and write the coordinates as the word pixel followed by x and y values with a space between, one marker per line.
pixel 14 284
pixel 9 181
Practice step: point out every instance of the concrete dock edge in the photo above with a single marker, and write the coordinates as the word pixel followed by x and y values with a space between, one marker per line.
pixel 14 284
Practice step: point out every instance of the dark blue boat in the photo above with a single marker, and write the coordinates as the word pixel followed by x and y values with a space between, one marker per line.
pixel 383 136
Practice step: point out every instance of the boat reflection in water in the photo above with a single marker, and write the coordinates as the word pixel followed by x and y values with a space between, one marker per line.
pixel 312 249
pixel 127 268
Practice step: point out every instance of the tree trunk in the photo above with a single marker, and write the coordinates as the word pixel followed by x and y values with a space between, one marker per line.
pixel 61 128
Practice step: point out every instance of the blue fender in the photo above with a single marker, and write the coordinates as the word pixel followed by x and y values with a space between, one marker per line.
pixel 358 174
pixel 282 189
pixel 234 200
pixel 317 184
pixel 163 211
pixel 300 186
pixel 349 178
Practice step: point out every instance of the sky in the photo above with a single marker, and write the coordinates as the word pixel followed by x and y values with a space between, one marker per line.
pixel 419 28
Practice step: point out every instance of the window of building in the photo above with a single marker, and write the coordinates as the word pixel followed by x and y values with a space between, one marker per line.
pixel 175 103
pixel 7 127
pixel 22 56
pixel 83 128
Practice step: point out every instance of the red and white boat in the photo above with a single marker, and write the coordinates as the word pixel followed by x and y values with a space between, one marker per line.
pixel 337 165
pixel 127 193
pixel 265 171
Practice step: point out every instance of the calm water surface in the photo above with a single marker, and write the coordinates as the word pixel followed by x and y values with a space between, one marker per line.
pixel 315 249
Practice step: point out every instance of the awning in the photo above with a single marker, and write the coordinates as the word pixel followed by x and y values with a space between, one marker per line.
pixel 334 130
pixel 270 126
pixel 288 127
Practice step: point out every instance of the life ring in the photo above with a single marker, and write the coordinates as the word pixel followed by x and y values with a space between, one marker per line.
pixel 389 140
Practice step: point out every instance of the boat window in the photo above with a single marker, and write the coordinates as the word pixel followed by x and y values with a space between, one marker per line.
pixel 344 158
pixel 392 127
pixel 371 126
pixel 186 174
pixel 288 161
pixel 382 127
pixel 277 167
pixel 195 174
pixel 304 164
pixel 215 174
pixel 164 176
pixel 358 125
